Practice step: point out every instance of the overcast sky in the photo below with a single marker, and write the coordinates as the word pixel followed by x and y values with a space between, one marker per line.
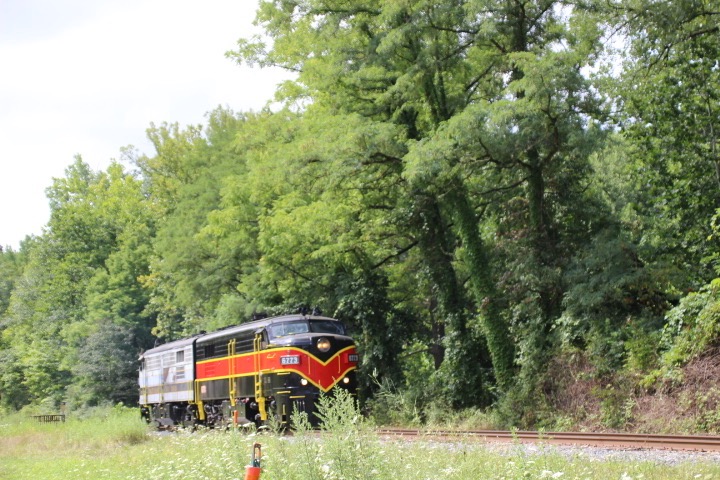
pixel 88 76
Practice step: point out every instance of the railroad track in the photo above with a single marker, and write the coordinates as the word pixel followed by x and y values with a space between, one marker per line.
pixel 703 443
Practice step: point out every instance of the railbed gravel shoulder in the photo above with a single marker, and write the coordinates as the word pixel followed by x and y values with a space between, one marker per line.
pixel 665 457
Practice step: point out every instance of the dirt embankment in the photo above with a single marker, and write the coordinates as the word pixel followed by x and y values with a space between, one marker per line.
pixel 684 401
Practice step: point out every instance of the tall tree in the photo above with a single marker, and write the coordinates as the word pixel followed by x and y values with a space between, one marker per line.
pixel 11 265
pixel 190 276
pixel 670 105
pixel 498 82
pixel 81 273
pixel 314 219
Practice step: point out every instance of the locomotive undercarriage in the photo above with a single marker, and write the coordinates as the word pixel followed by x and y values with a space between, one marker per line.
pixel 220 414
pixel 288 395
pixel 169 415
pixel 217 414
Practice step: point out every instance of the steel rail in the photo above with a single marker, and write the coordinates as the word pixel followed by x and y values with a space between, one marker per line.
pixel 625 440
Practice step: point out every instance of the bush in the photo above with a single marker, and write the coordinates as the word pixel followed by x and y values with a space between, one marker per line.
pixel 693 326
pixel 393 406
pixel 345 451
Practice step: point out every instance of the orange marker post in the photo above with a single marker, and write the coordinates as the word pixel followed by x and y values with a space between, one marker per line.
pixel 253 471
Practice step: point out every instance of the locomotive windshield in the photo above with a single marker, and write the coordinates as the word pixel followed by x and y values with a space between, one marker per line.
pixel 305 326
pixel 327 326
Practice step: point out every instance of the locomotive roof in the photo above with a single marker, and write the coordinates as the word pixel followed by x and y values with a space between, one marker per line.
pixel 231 330
pixel 174 345
pixel 254 325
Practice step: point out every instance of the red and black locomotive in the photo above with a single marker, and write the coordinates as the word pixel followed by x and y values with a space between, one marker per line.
pixel 247 372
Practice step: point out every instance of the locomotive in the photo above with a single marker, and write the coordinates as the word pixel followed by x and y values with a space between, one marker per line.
pixel 247 373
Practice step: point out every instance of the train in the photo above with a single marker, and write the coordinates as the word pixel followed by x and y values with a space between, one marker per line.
pixel 257 372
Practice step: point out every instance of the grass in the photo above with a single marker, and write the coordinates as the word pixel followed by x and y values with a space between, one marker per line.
pixel 117 445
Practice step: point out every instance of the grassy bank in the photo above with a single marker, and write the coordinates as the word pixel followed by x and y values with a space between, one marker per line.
pixel 116 445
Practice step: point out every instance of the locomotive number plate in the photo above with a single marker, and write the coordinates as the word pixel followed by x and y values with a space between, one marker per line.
pixel 353 357
pixel 290 360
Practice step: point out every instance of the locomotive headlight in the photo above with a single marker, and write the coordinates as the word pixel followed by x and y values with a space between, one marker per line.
pixel 346 380
pixel 323 344
pixel 303 381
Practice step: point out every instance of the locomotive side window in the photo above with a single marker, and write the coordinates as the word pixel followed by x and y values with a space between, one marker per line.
pixel 327 326
pixel 153 363
pixel 244 341
pixel 180 356
pixel 218 348
pixel 168 359
pixel 221 348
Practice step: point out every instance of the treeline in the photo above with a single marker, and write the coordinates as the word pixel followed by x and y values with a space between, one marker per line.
pixel 482 190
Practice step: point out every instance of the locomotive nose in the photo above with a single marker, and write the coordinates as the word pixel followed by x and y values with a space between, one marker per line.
pixel 326 346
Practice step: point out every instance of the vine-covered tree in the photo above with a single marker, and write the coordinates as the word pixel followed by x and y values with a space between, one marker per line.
pixel 493 108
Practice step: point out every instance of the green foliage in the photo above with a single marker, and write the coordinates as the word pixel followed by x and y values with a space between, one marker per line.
pixel 380 329
pixel 391 405
pixel 11 265
pixel 615 407
pixel 340 415
pixel 642 350
pixel 14 393
pixel 670 97
pixel 693 327
pixel 190 275
pixel 106 367
pixel 348 451
pixel 81 272
pixel 615 299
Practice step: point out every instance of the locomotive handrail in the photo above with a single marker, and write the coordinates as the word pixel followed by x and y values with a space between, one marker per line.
pixel 198 401
pixel 259 397
pixel 231 369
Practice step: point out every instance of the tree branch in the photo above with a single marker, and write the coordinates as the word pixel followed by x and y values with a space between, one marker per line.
pixel 394 255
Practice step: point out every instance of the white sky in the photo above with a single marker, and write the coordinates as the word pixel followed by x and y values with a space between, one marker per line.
pixel 88 76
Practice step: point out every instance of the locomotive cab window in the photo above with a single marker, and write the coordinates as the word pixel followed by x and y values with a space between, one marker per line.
pixel 304 326
pixel 327 326
pixel 287 328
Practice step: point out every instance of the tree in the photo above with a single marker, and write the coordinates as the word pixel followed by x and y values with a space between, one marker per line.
pixel 670 116
pixel 190 276
pixel 81 272
pixel 11 265
pixel 313 218
pixel 493 105
pixel 106 369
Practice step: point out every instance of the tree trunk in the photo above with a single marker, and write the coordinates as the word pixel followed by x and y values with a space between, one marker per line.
pixel 499 341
